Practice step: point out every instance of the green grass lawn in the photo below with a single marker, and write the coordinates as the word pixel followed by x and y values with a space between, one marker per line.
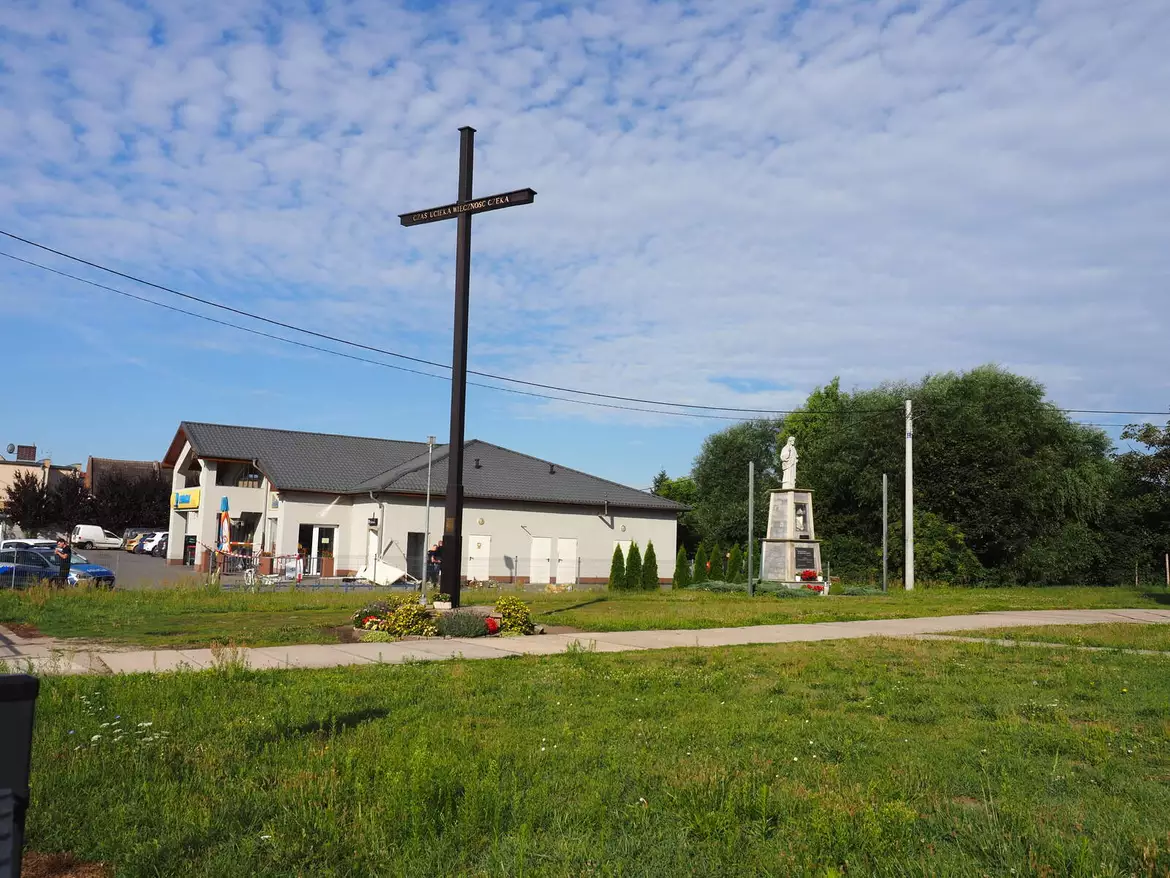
pixel 196 616
pixel 862 758
pixel 1121 635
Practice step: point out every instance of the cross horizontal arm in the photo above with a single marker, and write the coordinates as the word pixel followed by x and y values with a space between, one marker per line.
pixel 476 205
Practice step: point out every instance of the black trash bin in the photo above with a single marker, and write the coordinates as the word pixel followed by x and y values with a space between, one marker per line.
pixel 18 696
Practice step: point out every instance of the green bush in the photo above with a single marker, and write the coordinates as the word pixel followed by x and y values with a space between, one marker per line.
pixel 682 569
pixel 515 617
pixel 377 637
pixel 383 608
pixel 715 561
pixel 634 568
pixel 650 569
pixel 700 574
pixel 398 616
pixel 617 570
pixel 462 624
pixel 735 565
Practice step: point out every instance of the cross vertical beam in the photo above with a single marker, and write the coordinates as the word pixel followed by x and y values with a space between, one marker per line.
pixel 451 577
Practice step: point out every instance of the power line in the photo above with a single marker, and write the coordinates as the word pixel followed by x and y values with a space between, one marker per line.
pixel 553 387
pixel 355 357
pixel 326 337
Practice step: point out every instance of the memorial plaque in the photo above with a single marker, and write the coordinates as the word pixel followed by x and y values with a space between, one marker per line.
pixel 806 558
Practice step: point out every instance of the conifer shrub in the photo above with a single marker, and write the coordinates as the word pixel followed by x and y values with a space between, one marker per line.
pixel 735 566
pixel 650 569
pixel 634 568
pixel 617 571
pixel 682 569
pixel 700 572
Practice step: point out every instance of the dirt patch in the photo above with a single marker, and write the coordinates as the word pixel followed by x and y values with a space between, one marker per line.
pixel 967 801
pixel 345 634
pixel 36 865
pixel 22 630
pixel 560 629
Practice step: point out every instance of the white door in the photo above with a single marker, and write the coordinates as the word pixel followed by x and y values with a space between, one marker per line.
pixel 540 563
pixel 566 560
pixel 479 551
pixel 372 550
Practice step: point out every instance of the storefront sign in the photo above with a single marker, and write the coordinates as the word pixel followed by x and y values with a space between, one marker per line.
pixel 188 499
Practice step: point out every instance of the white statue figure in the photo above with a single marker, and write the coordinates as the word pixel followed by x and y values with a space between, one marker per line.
pixel 788 459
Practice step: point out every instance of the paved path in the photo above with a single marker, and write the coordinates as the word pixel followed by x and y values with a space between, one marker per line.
pixel 44 655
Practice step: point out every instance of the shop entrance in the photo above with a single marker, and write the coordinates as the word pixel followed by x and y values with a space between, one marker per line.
pixel 316 542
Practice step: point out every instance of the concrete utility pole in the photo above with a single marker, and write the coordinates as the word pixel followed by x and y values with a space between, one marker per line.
pixel 751 529
pixel 909 581
pixel 885 529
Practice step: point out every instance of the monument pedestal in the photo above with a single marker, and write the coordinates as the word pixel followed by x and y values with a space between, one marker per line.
pixel 791 546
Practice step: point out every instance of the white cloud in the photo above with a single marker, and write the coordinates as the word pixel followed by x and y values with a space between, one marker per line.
pixel 774 191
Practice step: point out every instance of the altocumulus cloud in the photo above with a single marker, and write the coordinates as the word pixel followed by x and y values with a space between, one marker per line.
pixel 737 200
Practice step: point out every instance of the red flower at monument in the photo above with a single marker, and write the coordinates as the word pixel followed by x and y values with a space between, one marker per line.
pixel 808 575
pixel 493 625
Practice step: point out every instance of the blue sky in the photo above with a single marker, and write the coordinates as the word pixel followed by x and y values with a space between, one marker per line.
pixel 737 201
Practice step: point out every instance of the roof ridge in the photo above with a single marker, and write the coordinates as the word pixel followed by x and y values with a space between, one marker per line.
pixel 298 432
pixel 568 468
pixel 392 475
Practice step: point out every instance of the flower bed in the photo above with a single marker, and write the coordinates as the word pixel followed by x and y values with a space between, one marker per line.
pixel 401 616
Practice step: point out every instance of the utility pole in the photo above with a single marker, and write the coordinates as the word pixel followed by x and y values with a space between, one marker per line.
pixel 885 530
pixel 909 580
pixel 751 522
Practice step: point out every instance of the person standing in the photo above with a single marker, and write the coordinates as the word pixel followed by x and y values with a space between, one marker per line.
pixel 435 562
pixel 64 555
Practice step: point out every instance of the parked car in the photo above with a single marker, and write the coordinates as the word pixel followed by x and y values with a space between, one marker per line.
pixel 25 544
pixel 20 568
pixel 160 548
pixel 131 533
pixel 90 536
pixel 81 570
pixel 148 541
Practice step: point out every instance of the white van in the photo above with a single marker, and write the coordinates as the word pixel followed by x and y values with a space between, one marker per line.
pixel 90 536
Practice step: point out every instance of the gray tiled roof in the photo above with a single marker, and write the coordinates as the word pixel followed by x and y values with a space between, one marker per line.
pixel 295 460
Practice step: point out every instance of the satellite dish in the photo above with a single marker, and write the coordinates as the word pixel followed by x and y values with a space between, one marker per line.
pixel 11 448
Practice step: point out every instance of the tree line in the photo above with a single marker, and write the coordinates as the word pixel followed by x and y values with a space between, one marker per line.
pixel 122 502
pixel 1007 488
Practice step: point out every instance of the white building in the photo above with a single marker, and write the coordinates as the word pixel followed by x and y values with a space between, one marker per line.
pixel 344 503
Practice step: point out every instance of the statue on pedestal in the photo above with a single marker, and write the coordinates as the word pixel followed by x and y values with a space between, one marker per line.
pixel 788 459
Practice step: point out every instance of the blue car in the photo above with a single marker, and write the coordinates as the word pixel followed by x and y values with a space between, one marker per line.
pixel 20 568
pixel 80 570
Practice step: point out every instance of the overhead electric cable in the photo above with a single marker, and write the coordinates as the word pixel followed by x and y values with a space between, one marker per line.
pixel 337 340
pixel 757 412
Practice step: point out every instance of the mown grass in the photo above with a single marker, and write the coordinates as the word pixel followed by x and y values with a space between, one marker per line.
pixel 696 609
pixel 196 616
pixel 861 758
pixel 1120 635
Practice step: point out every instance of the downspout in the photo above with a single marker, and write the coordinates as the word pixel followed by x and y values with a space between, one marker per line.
pixel 264 511
pixel 381 524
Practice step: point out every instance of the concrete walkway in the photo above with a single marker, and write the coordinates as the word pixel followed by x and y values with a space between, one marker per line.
pixel 48 656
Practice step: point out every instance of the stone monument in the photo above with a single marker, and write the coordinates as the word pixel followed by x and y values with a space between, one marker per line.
pixel 790 546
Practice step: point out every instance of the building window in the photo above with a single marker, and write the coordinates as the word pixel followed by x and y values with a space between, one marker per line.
pixel 237 475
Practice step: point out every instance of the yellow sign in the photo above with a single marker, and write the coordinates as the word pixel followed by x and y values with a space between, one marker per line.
pixel 188 499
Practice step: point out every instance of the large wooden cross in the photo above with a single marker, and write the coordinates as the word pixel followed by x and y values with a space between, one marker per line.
pixel 462 210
